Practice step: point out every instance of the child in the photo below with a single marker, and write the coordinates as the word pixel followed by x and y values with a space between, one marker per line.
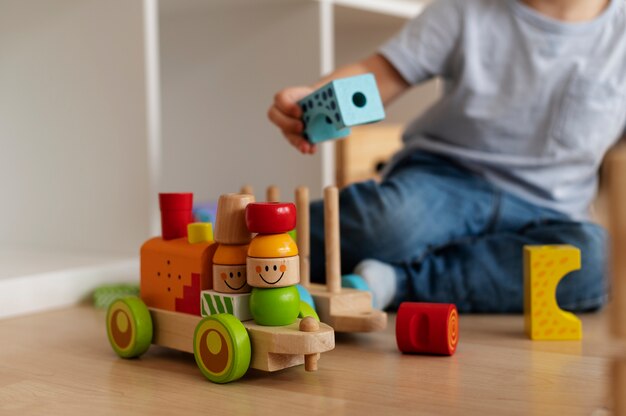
pixel 535 94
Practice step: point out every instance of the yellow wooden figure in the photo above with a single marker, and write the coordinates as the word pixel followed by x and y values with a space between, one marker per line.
pixel 544 267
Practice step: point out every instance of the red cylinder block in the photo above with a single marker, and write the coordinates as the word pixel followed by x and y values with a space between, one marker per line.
pixel 431 328
pixel 176 213
pixel 270 217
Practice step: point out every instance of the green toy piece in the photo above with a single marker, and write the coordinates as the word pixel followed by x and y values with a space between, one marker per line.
pixel 275 307
pixel 307 310
pixel 305 296
pixel 221 347
pixel 105 295
pixel 129 327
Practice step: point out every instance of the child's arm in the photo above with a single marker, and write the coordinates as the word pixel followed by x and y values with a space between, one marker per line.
pixel 285 112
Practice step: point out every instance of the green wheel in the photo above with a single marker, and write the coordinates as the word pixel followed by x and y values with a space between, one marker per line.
pixel 222 348
pixel 129 327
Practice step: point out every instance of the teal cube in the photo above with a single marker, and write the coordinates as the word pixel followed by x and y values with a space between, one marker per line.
pixel 329 112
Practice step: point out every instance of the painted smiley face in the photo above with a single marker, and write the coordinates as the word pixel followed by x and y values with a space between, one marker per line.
pixel 271 274
pixel 230 279
pixel 234 280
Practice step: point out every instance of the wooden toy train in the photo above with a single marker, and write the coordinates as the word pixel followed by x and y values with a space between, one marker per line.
pixel 231 301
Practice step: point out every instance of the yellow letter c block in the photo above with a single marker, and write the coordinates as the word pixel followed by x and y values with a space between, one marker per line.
pixel 544 267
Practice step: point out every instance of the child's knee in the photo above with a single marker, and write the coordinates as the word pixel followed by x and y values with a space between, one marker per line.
pixel 586 289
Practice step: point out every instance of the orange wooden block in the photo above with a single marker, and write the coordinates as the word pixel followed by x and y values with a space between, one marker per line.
pixel 174 272
pixel 544 267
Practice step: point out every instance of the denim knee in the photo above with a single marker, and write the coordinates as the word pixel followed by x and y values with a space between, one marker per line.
pixel 586 289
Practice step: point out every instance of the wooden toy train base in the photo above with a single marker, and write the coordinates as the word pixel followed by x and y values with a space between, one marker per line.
pixel 349 310
pixel 223 346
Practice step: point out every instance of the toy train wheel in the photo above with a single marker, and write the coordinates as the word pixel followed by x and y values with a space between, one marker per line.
pixel 129 327
pixel 222 348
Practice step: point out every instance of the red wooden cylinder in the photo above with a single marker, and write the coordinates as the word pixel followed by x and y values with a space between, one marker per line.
pixel 176 213
pixel 431 328
pixel 270 217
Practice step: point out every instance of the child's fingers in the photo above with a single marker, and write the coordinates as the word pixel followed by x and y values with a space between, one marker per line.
pixel 285 123
pixel 311 148
pixel 286 104
pixel 287 100
pixel 300 143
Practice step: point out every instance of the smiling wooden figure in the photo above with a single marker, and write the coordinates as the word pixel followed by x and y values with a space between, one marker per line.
pixel 179 309
pixel 230 292
pixel 229 269
pixel 273 265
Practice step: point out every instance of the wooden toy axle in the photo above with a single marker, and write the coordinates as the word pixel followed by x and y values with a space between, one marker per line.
pixel 310 324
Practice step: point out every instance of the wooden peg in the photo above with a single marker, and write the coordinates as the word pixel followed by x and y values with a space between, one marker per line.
pixel 310 324
pixel 230 223
pixel 303 236
pixel 273 193
pixel 616 174
pixel 331 233
pixel 618 383
pixel 247 190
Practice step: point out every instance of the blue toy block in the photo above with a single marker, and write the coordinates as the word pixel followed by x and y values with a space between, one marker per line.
pixel 305 296
pixel 329 112
pixel 354 281
pixel 204 212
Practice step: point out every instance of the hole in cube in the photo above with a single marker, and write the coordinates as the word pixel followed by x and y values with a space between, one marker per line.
pixel 358 98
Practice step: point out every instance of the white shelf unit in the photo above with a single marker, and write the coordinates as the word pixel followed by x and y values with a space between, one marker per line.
pixel 75 196
pixel 404 9
pixel 106 103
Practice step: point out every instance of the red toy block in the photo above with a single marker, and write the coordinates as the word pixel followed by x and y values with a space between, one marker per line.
pixel 431 328
pixel 270 217
pixel 176 213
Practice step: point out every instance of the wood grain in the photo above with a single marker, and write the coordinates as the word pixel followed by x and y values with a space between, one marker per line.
pixel 331 239
pixel 247 189
pixel 303 233
pixel 230 224
pixel 349 310
pixel 273 193
pixel 60 362
pixel 174 330
pixel 616 173
pixel 367 147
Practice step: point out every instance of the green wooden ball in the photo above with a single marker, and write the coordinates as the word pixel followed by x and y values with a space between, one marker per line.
pixel 275 307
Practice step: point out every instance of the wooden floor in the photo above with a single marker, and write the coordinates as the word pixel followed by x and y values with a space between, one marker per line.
pixel 61 363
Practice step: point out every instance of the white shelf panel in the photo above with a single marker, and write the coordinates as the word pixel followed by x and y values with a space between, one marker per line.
pixel 399 8
pixel 32 281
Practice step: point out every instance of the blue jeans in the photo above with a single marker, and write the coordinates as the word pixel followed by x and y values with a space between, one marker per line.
pixel 451 236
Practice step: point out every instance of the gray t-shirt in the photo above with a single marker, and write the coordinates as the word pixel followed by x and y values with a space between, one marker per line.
pixel 530 102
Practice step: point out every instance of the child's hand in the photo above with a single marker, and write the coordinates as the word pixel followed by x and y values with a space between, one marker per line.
pixel 285 113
